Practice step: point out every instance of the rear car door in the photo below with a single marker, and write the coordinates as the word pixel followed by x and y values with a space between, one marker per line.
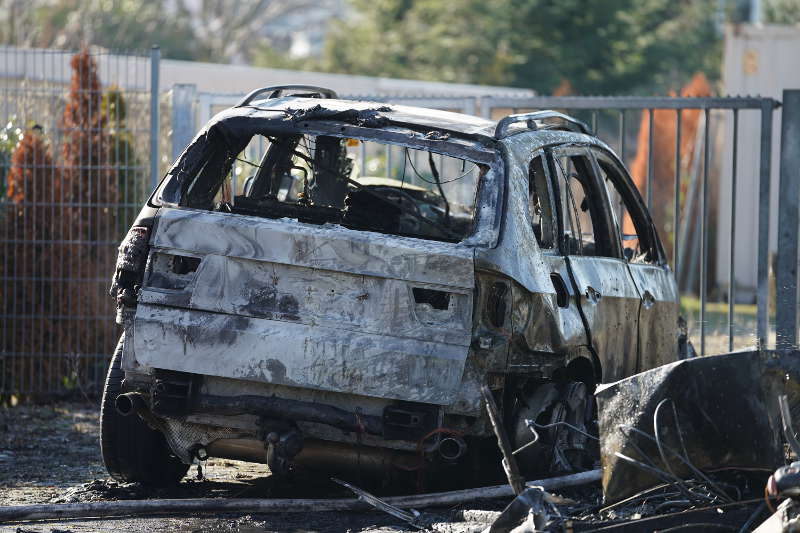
pixel 305 306
pixel 267 289
pixel 658 311
pixel 607 295
pixel 542 208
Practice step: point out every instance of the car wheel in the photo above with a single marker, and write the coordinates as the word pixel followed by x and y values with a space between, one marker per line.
pixel 555 447
pixel 131 450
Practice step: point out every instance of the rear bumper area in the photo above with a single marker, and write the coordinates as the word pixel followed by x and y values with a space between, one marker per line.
pixel 192 419
pixel 297 355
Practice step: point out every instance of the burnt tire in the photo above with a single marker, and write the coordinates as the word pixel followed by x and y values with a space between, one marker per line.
pixel 131 450
pixel 558 409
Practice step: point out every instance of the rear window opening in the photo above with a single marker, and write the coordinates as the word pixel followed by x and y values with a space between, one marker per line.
pixel 358 184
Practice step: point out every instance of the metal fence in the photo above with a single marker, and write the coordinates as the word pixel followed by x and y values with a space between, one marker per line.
pixel 79 152
pixel 76 157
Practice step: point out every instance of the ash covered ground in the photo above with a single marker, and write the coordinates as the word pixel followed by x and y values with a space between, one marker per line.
pixel 50 454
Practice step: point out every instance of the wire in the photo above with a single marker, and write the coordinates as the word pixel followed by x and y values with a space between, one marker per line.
pixel 546 426
pixel 532 425
pixel 694 469
pixel 698 526
pixel 658 440
pixel 685 457
pixel 640 495
pixel 666 477
pixel 248 162
pixel 426 180
pixel 374 194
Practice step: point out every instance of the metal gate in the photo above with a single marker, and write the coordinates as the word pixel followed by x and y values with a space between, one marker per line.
pixel 78 134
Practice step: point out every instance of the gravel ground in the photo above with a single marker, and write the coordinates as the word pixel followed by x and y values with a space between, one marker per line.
pixel 50 454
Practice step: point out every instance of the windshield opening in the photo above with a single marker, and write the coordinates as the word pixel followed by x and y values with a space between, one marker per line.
pixel 363 185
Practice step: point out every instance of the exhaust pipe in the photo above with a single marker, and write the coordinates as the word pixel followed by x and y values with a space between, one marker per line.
pixel 130 403
pixel 452 448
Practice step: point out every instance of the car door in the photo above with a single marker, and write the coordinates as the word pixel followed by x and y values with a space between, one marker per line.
pixel 571 334
pixel 658 310
pixel 606 293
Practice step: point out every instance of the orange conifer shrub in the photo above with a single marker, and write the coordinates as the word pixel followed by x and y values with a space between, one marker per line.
pixel 30 262
pixel 664 135
pixel 90 194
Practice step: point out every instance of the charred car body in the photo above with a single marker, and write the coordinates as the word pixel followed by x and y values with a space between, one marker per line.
pixel 282 304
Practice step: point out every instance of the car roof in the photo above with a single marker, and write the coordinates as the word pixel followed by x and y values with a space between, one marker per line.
pixel 425 118
pixel 433 122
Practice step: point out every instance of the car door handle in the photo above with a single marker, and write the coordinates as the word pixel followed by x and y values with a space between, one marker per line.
pixel 592 294
pixel 648 300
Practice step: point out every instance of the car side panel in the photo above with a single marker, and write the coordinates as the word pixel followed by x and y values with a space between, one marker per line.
pixel 658 317
pixel 609 301
pixel 539 328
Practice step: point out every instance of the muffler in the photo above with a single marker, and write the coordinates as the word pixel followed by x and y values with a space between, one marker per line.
pixel 130 403
pixel 452 448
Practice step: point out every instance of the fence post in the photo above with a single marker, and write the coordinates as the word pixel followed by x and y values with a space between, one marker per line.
pixel 155 60
pixel 183 125
pixel 765 169
pixel 788 224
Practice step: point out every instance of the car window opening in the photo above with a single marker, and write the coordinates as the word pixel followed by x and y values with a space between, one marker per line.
pixel 632 228
pixel 362 185
pixel 586 229
pixel 539 204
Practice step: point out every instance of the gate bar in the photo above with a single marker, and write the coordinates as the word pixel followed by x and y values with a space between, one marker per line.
pixel 630 102
pixel 155 58
pixel 765 167
pixel 786 270
pixel 732 254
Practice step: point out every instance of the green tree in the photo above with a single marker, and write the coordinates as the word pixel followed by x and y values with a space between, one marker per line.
pixel 469 41
pixel 131 181
pixel 598 47
pixel 117 24
pixel 781 11
pixel 204 30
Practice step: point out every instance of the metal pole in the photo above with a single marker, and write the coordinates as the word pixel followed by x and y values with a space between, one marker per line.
pixel 704 232
pixel 486 106
pixel 731 262
pixel 786 269
pixel 650 161
pixel 765 167
pixel 183 126
pixel 155 59
pixel 676 211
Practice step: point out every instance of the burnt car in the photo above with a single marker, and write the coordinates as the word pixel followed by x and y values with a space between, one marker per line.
pixel 330 283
